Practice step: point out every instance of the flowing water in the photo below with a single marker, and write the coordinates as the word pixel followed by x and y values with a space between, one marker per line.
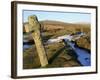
pixel 84 57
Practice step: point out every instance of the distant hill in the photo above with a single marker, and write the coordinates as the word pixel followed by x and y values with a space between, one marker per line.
pixel 86 23
pixel 57 25
pixel 54 22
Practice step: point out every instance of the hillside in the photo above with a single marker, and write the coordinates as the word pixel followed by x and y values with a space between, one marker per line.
pixel 57 53
pixel 66 28
pixel 53 29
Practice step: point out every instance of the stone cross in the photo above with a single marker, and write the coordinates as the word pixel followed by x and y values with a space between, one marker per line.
pixel 34 28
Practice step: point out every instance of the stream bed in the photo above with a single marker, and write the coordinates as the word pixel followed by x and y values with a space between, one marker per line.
pixel 84 57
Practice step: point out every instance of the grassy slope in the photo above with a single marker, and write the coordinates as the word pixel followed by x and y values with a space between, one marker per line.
pixel 58 55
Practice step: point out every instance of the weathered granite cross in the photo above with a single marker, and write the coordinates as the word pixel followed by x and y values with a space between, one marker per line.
pixel 34 28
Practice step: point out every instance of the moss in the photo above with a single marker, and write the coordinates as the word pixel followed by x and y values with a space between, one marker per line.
pixel 30 58
pixel 58 56
pixel 84 42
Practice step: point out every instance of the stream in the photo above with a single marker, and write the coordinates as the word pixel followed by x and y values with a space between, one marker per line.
pixel 84 57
